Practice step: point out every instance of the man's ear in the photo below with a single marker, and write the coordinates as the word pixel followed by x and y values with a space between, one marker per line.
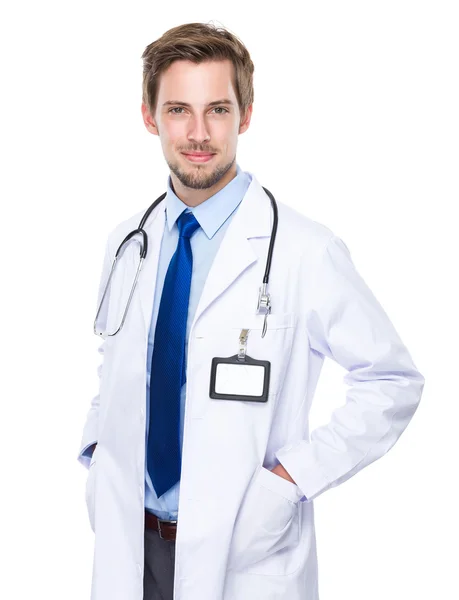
pixel 148 120
pixel 245 122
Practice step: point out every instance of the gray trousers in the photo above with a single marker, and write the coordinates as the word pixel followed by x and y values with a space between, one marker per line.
pixel 158 579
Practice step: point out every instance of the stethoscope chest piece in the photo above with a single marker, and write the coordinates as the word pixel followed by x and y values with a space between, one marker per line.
pixel 264 306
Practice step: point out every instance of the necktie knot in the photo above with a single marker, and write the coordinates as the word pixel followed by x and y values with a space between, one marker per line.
pixel 187 224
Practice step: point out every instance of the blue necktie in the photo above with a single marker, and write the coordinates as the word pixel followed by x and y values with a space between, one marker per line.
pixel 167 374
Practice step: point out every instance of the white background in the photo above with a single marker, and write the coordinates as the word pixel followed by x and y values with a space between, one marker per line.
pixel 355 123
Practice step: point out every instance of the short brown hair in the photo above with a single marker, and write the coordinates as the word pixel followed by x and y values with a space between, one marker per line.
pixel 197 42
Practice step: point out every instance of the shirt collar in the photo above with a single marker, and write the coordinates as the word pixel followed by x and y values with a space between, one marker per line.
pixel 213 212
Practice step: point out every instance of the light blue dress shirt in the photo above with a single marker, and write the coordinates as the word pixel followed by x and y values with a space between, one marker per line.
pixel 214 215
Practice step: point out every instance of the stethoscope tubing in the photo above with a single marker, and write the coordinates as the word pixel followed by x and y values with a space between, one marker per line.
pixel 140 230
pixel 144 249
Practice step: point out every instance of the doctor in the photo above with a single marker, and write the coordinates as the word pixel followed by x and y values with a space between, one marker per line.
pixel 195 497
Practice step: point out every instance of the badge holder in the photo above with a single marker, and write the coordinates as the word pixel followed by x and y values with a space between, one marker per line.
pixel 240 377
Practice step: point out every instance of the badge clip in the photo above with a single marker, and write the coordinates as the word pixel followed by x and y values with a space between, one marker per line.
pixel 243 344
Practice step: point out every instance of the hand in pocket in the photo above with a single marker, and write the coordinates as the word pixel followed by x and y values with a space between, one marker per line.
pixel 267 520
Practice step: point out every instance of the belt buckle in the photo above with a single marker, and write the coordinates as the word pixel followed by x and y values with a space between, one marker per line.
pixel 159 527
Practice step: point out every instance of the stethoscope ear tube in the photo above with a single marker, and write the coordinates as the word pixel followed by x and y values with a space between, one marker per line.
pixel 105 334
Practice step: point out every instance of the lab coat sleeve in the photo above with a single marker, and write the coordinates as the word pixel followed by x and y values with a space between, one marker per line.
pixel 346 323
pixel 90 429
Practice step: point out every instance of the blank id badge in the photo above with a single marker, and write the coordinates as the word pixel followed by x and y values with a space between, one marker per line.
pixel 240 377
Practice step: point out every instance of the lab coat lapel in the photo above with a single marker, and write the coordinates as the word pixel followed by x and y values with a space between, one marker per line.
pixel 253 218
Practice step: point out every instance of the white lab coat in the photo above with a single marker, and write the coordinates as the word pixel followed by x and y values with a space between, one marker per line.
pixel 243 532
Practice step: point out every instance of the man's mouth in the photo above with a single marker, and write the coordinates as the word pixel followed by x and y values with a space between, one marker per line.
pixel 198 156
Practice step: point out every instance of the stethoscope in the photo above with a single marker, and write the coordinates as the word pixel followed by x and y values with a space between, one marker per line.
pixel 264 301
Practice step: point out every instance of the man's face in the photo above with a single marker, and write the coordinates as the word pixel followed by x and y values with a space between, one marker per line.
pixel 197 126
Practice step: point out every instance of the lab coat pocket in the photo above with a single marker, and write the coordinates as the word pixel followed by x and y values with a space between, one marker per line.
pixel 267 521
pixel 90 490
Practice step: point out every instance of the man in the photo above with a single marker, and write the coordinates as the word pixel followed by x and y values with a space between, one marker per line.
pixel 192 495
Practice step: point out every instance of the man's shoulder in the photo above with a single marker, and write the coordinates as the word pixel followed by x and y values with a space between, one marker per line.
pixel 128 224
pixel 304 233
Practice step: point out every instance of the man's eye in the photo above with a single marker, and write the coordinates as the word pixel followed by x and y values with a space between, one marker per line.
pixel 181 108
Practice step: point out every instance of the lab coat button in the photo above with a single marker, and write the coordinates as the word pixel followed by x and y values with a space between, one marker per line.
pixel 139 569
pixel 141 491
pixel 142 412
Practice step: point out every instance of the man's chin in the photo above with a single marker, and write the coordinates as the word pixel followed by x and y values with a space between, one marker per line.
pixel 199 176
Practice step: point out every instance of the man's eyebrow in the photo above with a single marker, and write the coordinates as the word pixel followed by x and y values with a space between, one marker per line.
pixel 214 103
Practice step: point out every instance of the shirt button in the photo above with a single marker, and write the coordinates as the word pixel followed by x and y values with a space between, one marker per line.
pixel 142 412
pixel 141 491
pixel 139 569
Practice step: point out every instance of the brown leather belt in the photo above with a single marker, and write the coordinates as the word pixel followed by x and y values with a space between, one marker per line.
pixel 167 529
